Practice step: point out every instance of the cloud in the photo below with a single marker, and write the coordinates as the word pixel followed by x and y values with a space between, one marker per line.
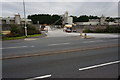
pixel 74 8
pixel 60 0
pixel 11 8
pixel 0 9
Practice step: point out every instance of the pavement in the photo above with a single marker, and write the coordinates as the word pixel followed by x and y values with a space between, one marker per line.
pixel 61 56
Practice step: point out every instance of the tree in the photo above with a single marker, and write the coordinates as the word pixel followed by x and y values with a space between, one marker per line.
pixel 44 18
pixel 74 18
pixel 83 18
pixel 93 17
pixel 109 19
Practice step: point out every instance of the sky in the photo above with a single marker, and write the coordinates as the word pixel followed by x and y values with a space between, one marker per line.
pixel 74 7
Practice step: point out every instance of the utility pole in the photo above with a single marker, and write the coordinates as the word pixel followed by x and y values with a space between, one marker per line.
pixel 25 19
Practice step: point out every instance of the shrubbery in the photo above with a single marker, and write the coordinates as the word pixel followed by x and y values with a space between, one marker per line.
pixel 32 30
pixel 87 31
pixel 107 30
pixel 17 30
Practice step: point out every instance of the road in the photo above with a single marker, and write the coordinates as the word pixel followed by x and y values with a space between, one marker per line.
pixel 61 57
pixel 51 43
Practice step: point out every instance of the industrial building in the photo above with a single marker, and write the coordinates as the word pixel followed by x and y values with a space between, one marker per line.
pixel 15 20
pixel 67 19
pixel 101 21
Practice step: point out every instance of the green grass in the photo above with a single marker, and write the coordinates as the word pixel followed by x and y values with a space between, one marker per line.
pixel 35 35
pixel 21 37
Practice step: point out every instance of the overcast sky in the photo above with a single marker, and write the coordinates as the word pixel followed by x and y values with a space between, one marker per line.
pixel 76 8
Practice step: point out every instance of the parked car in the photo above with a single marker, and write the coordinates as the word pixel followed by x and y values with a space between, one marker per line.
pixel 68 30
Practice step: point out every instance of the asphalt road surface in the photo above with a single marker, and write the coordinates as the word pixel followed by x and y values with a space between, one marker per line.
pixel 61 57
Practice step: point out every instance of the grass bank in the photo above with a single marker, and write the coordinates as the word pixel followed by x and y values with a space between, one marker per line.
pixel 21 37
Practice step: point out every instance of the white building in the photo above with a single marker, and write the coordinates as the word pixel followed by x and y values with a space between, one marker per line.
pixel 87 23
pixel 117 20
pixel 102 20
pixel 14 20
pixel 90 22
pixel 67 19
pixel 94 20
pixel 70 20
pixel 112 23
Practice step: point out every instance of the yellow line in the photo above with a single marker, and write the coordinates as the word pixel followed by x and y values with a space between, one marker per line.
pixel 59 52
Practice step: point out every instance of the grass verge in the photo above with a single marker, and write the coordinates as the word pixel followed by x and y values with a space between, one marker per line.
pixel 21 37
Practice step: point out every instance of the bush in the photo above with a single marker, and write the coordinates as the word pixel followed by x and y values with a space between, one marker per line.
pixel 107 30
pixel 112 29
pixel 88 31
pixel 17 30
pixel 99 31
pixel 32 30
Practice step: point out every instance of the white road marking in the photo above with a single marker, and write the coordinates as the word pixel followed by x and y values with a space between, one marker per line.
pixel 93 41
pixel 17 47
pixel 46 76
pixel 99 41
pixel 100 65
pixel 29 39
pixel 114 40
pixel 32 46
pixel 58 44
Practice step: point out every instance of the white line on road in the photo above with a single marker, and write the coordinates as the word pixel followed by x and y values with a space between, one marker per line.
pixel 46 76
pixel 93 41
pixel 100 65
pixel 58 44
pixel 29 39
pixel 99 41
pixel 17 47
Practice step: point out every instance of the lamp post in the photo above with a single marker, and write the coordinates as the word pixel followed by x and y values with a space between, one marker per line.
pixel 25 19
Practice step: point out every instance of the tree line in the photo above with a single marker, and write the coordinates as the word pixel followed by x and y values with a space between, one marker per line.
pixel 51 19
pixel 45 19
